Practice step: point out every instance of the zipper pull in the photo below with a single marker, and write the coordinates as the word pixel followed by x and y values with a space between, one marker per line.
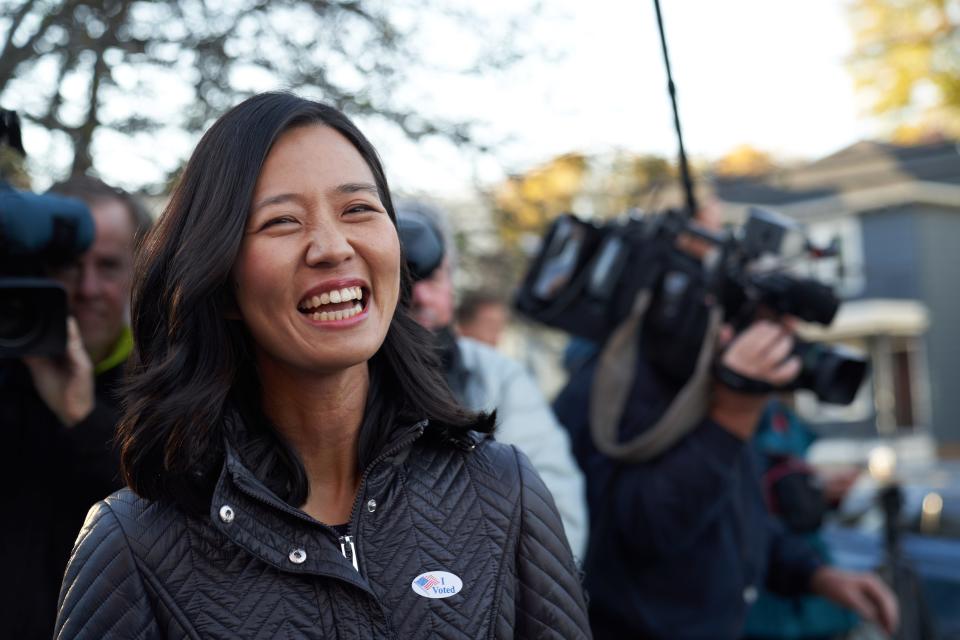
pixel 349 551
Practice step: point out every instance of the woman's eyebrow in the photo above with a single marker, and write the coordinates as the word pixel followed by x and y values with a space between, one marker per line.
pixel 347 187
pixel 354 187
pixel 277 199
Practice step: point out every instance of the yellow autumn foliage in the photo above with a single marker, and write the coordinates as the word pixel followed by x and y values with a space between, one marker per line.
pixel 525 204
pixel 906 62
pixel 744 160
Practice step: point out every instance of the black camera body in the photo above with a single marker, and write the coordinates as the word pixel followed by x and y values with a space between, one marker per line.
pixel 38 234
pixel 586 278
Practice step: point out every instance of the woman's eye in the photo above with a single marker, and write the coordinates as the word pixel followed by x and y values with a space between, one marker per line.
pixel 361 208
pixel 276 221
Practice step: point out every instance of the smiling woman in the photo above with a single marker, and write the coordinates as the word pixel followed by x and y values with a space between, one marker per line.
pixel 297 466
pixel 318 230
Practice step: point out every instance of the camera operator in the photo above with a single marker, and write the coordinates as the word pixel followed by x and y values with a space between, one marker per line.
pixel 483 379
pixel 681 544
pixel 59 414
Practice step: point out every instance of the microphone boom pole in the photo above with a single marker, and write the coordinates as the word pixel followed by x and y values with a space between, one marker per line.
pixel 672 90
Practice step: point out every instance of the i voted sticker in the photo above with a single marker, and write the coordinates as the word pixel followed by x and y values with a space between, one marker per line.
pixel 436 584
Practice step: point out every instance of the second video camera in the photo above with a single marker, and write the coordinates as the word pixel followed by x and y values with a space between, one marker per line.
pixel 38 234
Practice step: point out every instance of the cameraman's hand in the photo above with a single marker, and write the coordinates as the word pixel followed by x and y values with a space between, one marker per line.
pixel 65 384
pixel 864 593
pixel 759 353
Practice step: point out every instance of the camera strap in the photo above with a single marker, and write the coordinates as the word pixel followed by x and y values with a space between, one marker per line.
pixel 613 382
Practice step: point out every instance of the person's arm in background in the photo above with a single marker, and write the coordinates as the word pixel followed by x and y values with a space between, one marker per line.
pixel 791 561
pixel 795 569
pixel 688 487
pixel 526 421
pixel 85 462
pixel 84 445
pixel 65 384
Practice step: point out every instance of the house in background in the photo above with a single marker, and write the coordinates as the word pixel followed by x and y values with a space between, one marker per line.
pixel 896 212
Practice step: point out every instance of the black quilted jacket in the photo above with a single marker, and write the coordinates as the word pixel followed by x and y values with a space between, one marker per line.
pixel 258 568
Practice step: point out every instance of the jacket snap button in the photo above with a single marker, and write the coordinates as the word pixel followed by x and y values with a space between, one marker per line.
pixel 298 556
pixel 226 513
pixel 750 594
pixel 372 505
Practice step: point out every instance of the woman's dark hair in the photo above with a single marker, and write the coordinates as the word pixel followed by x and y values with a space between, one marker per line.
pixel 192 369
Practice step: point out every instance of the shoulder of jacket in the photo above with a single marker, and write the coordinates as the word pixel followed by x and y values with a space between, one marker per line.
pixel 510 466
pixel 490 468
pixel 125 501
pixel 476 447
pixel 103 535
pixel 463 440
pixel 503 461
pixel 141 520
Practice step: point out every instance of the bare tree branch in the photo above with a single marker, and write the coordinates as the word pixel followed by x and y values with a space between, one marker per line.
pixel 352 53
pixel 15 21
pixel 13 57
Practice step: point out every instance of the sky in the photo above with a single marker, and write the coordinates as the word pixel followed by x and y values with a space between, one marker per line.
pixel 769 73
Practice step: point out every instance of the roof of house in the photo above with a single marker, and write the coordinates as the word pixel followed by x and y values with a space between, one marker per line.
pixel 861 166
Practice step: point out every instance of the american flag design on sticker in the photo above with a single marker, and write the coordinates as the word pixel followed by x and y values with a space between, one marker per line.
pixel 427 582
pixel 436 584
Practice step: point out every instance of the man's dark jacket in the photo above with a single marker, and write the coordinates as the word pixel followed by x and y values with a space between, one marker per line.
pixel 49 477
pixel 255 567
pixel 679 545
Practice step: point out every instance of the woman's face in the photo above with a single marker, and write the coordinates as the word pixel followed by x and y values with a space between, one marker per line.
pixel 318 273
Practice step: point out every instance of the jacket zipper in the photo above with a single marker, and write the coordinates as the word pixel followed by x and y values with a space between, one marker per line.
pixel 348 543
pixel 349 551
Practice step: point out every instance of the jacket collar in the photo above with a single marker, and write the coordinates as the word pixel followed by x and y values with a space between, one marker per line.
pixel 254 518
pixel 245 479
pixel 251 515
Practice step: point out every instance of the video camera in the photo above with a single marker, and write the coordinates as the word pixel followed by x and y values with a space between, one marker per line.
pixel 38 234
pixel 613 281
pixel 586 279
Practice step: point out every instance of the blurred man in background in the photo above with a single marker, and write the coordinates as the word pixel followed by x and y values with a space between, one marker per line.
pixel 59 415
pixel 483 379
pixel 482 316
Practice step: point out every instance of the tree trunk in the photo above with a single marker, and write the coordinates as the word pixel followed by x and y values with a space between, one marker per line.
pixel 82 158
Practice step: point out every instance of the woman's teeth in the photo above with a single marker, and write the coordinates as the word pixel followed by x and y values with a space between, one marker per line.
pixel 332 297
pixel 325 316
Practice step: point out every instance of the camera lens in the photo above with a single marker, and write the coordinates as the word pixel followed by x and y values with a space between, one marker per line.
pixel 20 321
pixel 561 261
pixel 842 376
pixel 833 372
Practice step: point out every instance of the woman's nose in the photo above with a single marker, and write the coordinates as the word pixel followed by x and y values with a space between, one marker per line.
pixel 328 245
